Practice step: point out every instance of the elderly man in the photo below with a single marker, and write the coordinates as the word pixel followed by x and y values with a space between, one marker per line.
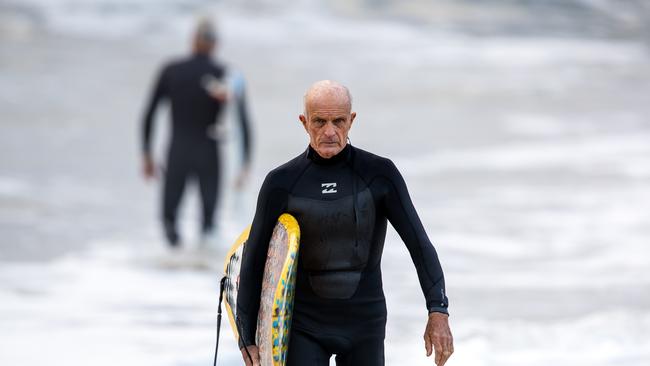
pixel 196 89
pixel 342 197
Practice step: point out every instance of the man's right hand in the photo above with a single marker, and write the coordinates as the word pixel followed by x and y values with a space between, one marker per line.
pixel 148 168
pixel 254 353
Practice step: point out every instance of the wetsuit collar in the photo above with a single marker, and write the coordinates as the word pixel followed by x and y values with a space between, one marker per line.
pixel 201 55
pixel 341 156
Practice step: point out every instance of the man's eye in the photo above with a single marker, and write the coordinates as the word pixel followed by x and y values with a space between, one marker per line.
pixel 319 122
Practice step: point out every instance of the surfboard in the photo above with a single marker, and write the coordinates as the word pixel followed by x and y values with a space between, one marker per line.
pixel 278 286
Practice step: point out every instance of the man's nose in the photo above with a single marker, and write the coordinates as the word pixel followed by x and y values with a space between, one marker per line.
pixel 329 129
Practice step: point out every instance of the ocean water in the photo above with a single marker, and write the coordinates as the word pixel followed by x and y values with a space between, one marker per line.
pixel 524 140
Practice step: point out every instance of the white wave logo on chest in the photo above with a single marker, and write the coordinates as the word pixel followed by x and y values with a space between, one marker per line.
pixel 328 187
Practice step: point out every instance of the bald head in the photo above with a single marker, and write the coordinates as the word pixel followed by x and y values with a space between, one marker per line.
pixel 327 90
pixel 328 117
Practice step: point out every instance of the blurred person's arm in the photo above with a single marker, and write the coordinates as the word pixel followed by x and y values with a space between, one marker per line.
pixel 243 119
pixel 158 93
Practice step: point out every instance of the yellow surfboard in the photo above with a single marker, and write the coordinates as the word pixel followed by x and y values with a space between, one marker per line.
pixel 278 286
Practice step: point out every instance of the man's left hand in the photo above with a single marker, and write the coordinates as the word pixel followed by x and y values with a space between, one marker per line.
pixel 438 337
pixel 219 92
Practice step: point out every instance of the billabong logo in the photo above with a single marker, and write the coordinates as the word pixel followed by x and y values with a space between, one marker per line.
pixel 328 187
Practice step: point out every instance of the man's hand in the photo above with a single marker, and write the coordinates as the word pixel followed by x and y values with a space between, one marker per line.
pixel 219 91
pixel 439 336
pixel 255 354
pixel 148 167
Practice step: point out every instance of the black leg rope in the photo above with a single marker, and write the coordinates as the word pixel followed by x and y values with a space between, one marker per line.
pixel 245 347
pixel 216 347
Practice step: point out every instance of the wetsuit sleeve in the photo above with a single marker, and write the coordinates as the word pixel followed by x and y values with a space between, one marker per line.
pixel 243 118
pixel 270 204
pixel 402 215
pixel 159 92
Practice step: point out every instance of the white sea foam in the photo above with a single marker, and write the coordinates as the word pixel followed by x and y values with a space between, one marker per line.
pixel 616 152
pixel 402 43
pixel 112 305
pixel 541 226
pixel 117 305
pixel 12 187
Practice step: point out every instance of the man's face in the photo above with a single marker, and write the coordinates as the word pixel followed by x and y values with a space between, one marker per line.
pixel 327 120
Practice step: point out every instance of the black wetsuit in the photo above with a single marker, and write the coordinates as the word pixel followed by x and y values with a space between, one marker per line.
pixel 342 205
pixel 193 151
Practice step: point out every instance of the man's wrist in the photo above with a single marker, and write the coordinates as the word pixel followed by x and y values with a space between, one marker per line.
pixel 439 310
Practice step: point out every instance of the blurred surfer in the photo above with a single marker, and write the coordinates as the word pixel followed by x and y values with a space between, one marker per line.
pixel 342 197
pixel 198 89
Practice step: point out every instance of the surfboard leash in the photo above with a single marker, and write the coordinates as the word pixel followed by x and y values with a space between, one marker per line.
pixel 216 347
pixel 241 337
pixel 222 284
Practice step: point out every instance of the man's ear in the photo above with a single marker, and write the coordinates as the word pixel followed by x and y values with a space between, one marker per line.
pixel 303 120
pixel 353 115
